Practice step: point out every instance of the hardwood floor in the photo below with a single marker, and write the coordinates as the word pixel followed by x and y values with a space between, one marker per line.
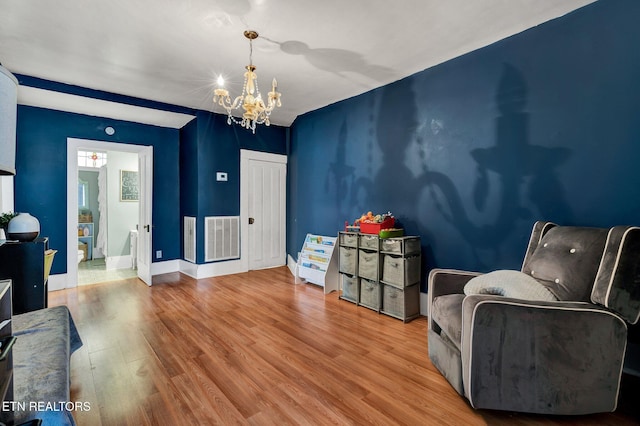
pixel 255 348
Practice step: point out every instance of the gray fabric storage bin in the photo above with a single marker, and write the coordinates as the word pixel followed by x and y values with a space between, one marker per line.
pixel 348 260
pixel 401 245
pixel 349 287
pixel 348 239
pixel 368 264
pixel 369 242
pixel 401 303
pixel 401 271
pixel 369 294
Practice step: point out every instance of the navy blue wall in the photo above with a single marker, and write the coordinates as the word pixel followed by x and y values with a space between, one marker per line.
pixel 468 154
pixel 214 146
pixel 189 169
pixel 41 178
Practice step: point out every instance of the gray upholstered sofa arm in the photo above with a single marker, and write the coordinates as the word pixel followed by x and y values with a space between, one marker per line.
pixel 447 281
pixel 513 349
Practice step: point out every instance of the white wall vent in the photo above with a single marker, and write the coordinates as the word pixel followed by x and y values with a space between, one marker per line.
pixel 221 238
pixel 190 239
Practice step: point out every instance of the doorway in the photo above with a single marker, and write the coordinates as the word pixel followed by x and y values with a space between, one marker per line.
pixel 106 219
pixel 263 209
pixel 129 190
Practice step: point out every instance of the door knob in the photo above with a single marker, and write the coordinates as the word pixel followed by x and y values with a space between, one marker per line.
pixel 147 227
pixel 251 220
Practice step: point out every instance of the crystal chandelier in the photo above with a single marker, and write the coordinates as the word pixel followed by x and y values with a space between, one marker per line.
pixel 255 110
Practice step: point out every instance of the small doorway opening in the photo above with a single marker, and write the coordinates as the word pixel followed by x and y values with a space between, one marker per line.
pixel 105 198
pixel 106 250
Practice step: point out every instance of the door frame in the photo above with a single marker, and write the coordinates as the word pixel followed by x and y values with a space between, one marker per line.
pixel 73 144
pixel 245 156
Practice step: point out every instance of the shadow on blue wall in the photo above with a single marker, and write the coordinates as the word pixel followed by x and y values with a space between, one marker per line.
pixel 524 173
pixel 341 176
pixel 468 154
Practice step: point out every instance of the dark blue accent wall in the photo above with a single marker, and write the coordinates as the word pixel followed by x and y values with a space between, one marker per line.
pixel 209 146
pixel 468 154
pixel 189 169
pixel 41 178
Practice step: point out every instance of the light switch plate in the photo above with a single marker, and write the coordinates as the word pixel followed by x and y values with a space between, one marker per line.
pixel 221 176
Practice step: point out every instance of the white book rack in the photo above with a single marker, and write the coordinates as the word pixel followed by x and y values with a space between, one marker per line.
pixel 317 263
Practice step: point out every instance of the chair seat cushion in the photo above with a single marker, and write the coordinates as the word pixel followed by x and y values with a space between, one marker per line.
pixel 509 283
pixel 446 311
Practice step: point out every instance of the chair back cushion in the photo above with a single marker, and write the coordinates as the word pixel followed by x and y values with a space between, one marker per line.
pixel 566 261
pixel 617 286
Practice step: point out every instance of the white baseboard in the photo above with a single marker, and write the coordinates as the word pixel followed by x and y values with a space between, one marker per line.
pixel 293 268
pixel 118 262
pixel 292 264
pixel 209 270
pixel 57 282
pixel 60 281
pixel 424 304
pixel 165 267
pixel 188 268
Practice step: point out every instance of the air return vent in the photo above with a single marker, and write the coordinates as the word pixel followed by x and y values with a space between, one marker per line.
pixel 190 239
pixel 221 238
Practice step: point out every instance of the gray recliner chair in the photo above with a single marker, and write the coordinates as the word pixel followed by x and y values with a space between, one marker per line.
pixel 548 339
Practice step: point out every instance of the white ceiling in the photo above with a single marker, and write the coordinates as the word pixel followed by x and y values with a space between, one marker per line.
pixel 320 51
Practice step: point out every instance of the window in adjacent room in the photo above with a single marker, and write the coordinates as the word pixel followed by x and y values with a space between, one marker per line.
pixel 91 159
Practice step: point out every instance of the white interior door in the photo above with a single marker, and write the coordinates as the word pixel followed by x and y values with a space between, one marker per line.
pixel 145 230
pixel 266 213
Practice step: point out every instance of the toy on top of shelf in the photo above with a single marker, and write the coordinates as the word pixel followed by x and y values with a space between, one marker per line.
pixel 369 217
pixel 372 224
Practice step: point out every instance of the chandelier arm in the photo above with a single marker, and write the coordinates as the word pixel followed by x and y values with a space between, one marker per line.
pixel 225 102
pixel 237 102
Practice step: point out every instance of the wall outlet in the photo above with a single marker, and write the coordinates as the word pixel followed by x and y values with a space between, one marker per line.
pixel 158 254
pixel 221 176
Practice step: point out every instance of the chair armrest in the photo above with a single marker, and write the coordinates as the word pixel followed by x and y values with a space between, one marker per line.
pixel 446 281
pixel 569 355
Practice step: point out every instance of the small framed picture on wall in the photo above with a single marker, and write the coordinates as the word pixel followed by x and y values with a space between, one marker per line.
pixel 128 185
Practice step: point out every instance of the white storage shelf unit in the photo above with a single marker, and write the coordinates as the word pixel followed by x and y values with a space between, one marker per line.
pixel 317 263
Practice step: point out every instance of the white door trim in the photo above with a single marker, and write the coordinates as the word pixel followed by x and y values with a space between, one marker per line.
pixel 73 144
pixel 245 156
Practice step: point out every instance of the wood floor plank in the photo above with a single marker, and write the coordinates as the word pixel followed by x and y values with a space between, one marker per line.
pixel 205 390
pixel 257 349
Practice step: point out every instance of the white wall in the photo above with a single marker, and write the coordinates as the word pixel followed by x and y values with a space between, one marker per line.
pixel 6 194
pixel 122 216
